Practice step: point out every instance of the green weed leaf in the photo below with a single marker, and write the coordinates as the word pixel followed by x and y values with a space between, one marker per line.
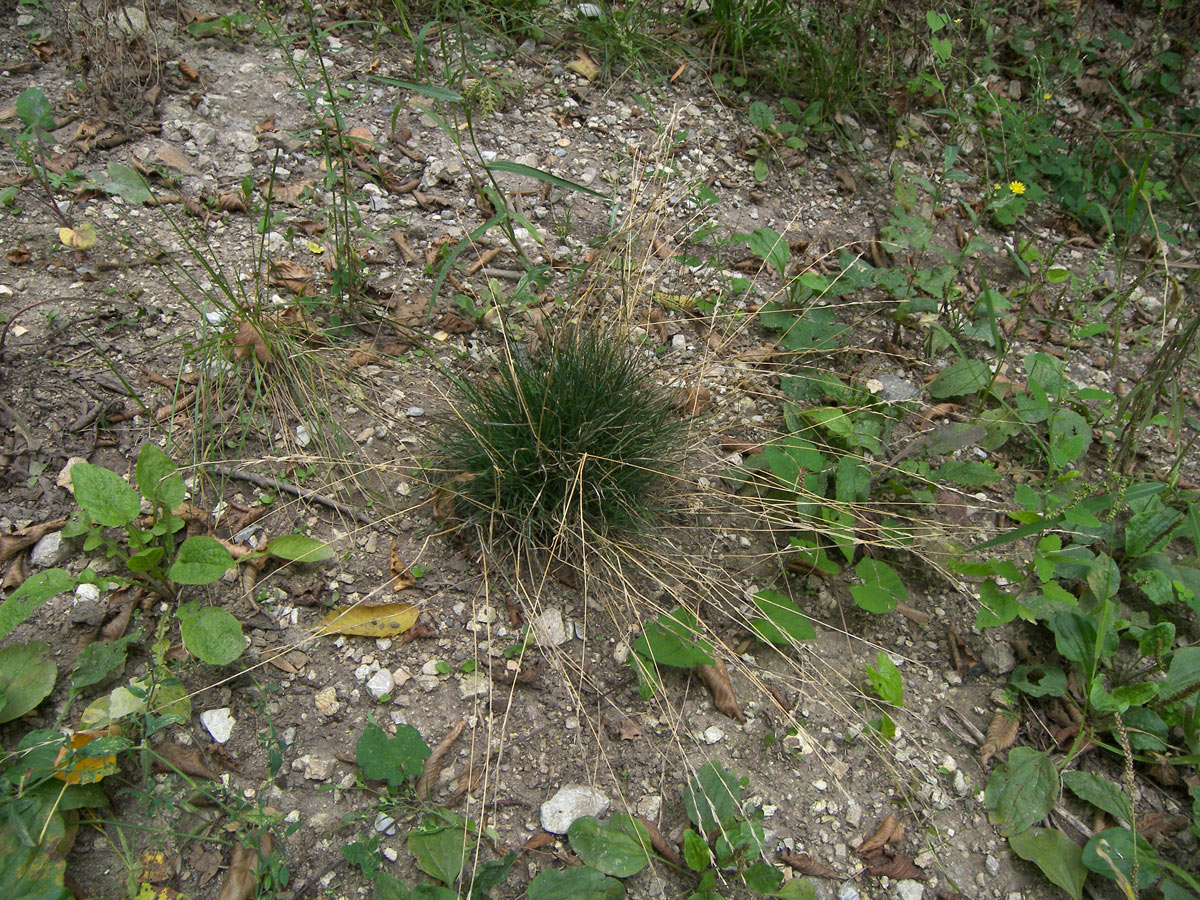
pixel 616 847
pixel 1040 680
pixel 763 878
pixel 960 379
pixel 26 678
pixel 886 680
pixel 299 548
pixel 33 592
pixel 105 495
pixel 711 797
pixel 391 759
pixel 1100 792
pixel 489 875
pixel 770 247
pixel 783 622
pixel 1059 858
pixel 100 659
pixel 797 889
pixel 201 560
pixel 158 478
pixel 33 109
pixel 441 848
pixel 1022 791
pixel 575 883
pixel 126 183
pixel 210 633
pixel 881 589
pixel 1115 852
pixel 1183 672
pixel 514 168
pixel 695 851
pixel 674 640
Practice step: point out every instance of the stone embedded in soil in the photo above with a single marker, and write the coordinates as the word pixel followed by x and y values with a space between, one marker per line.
pixel 713 734
pixel 385 824
pixel 474 684
pixel 381 684
pixel 998 657
pixel 219 723
pixel 910 890
pixel 86 607
pixel 570 803
pixel 550 629
pixel 314 769
pixel 848 891
pixel 49 551
pixel 326 701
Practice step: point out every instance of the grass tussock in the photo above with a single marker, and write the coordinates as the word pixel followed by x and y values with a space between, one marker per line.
pixel 574 439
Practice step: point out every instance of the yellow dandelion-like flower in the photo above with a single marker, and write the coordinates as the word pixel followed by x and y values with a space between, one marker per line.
pixel 1047 95
pixel 1016 187
pixel 997 186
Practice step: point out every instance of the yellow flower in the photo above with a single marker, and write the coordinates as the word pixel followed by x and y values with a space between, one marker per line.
pixel 1016 187
pixel 997 186
pixel 1046 96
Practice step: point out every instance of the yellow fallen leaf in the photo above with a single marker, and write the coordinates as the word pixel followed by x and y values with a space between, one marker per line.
pixel 384 620
pixel 87 769
pixel 584 66
pixel 81 238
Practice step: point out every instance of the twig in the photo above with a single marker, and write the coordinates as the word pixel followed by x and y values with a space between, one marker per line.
pixel 264 481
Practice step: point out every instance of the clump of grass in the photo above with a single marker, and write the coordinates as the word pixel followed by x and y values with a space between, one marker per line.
pixel 563 445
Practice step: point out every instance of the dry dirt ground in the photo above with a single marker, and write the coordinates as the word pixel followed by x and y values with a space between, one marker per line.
pixel 109 347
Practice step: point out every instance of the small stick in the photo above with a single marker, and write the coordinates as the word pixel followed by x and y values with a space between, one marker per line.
pixel 264 481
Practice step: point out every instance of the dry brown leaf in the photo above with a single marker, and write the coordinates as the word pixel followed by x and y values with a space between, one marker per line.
pixel 897 867
pixel 656 323
pixel 384 620
pixel 1001 733
pixel 693 401
pixel 456 323
pixel 525 673
pixel 291 275
pixel 18 256
pixel 265 126
pixel 889 831
pixel 402 246
pixel 433 765
pixel 539 840
pixel 660 843
pixel 187 71
pixel 188 760
pixel 155 867
pixel 241 881
pixel 849 185
pixel 14 575
pixel 288 194
pixel 716 679
pixel 172 158
pixel 402 578
pixel 806 865
pixel 248 340
pixel 232 201
pixel 23 538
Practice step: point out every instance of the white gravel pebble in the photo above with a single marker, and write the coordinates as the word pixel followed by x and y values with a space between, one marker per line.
pixel 219 723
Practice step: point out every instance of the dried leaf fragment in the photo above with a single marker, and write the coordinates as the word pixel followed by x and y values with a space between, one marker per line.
pixel 661 845
pixel 23 538
pixel 889 831
pixel 291 276
pixel 716 679
pixel 242 878
pixel 806 865
pixel 433 765
pixel 897 867
pixel 248 340
pixel 402 578
pixel 1001 733
pixel 187 71
pixel 188 760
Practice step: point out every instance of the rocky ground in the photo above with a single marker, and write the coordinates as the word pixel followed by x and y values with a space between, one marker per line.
pixel 104 345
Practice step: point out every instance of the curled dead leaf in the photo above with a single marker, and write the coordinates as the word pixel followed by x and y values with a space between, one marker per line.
pixel 232 201
pixel 456 323
pixel 659 842
pixel 291 275
pixel 539 840
pixel 716 679
pixel 889 831
pixel 402 578
pixel 433 765
pixel 187 71
pixel 249 340
pixel 693 401
pixel 526 673
pixel 23 538
pixel 1001 733
pixel 241 882
pixel 188 760
pixel 896 867
pixel 806 865
pixel 18 256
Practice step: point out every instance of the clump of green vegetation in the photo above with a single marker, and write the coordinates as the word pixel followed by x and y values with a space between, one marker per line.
pixel 573 441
